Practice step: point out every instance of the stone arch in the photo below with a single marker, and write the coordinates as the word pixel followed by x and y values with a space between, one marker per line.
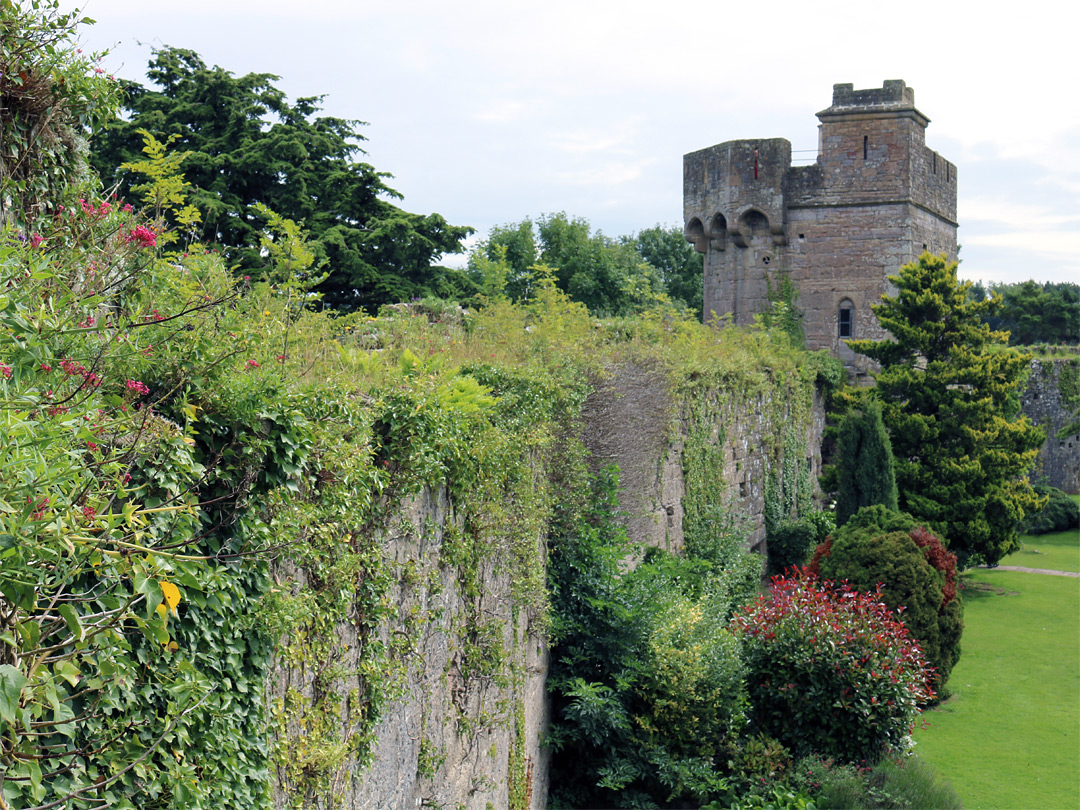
pixel 752 222
pixel 718 231
pixel 695 235
pixel 845 319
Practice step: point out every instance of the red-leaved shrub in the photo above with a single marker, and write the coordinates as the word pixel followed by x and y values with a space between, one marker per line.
pixel 831 671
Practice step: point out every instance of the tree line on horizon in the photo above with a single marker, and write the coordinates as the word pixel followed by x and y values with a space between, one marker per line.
pixel 246 143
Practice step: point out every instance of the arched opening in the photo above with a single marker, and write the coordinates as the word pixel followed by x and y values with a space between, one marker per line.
pixel 845 319
pixel 717 231
pixel 752 224
pixel 695 234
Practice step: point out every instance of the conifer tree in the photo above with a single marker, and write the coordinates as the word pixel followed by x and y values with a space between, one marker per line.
pixel 865 463
pixel 948 388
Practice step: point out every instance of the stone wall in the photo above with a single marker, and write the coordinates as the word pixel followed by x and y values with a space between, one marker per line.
pixel 634 422
pixel 459 736
pixel 450 739
pixel 1050 400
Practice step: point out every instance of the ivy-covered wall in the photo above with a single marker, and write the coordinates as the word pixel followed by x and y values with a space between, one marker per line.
pixel 1052 399
pixel 742 446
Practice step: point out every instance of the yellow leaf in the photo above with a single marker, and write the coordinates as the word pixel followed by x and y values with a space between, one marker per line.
pixel 163 612
pixel 173 646
pixel 172 596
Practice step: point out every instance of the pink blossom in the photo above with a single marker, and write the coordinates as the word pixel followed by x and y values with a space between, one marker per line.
pixel 138 387
pixel 5 371
pixel 251 364
pixel 143 236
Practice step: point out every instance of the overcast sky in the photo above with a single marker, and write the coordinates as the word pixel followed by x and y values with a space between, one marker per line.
pixel 490 111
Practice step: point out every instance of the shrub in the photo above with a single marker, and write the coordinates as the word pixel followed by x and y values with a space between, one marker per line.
pixel 915 572
pixel 1060 514
pixel 790 544
pixel 892 784
pixel 864 463
pixel 831 670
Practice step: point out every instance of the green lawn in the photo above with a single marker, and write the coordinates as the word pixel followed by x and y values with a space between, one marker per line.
pixel 1058 551
pixel 1009 738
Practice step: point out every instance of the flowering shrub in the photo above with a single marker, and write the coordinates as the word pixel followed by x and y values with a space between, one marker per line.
pixel 916 573
pixel 831 671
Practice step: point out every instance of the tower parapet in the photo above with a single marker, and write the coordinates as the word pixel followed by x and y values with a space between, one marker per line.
pixel 875 199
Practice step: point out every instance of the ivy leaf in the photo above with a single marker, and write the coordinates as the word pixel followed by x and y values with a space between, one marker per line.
pixel 71 619
pixel 172 596
pixel 11 683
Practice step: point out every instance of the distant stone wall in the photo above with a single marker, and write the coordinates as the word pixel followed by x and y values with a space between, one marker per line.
pixel 1050 400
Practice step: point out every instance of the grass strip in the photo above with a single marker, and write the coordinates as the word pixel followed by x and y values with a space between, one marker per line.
pixel 1009 738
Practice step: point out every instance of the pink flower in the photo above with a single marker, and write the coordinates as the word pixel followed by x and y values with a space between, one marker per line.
pixel 143 236
pixel 5 371
pixel 251 364
pixel 89 512
pixel 35 239
pixel 138 387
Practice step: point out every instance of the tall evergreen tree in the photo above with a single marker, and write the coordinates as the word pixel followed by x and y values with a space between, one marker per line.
pixel 248 144
pixel 948 387
pixel 865 463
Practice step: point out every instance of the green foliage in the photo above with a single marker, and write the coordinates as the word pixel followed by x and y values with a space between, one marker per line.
pixel 949 400
pixel 877 549
pixel 790 545
pixel 647 681
pixel 119 586
pixel 830 671
pixel 892 784
pixel 783 315
pixel 681 267
pixel 54 98
pixel 1034 313
pixel 1060 513
pixel 300 165
pixel 657 268
pixel 864 460
pixel 1069 389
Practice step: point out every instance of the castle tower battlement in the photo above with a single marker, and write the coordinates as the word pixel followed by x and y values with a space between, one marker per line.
pixel 875 199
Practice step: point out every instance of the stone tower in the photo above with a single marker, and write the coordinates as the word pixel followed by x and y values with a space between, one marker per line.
pixel 875 199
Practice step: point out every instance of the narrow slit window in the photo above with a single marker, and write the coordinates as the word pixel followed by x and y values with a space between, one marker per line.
pixel 935 162
pixel 865 146
pixel 948 172
pixel 847 320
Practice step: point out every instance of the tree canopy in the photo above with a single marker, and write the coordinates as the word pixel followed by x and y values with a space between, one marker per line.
pixel 248 144
pixel 1035 313
pixel 948 389
pixel 611 276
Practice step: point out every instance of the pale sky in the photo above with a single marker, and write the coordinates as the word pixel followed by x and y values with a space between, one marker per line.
pixel 489 112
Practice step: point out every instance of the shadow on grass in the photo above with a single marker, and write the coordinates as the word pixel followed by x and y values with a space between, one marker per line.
pixel 974 590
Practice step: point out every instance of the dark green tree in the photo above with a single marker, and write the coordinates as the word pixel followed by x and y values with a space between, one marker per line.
pixel 249 144
pixel 864 460
pixel 948 390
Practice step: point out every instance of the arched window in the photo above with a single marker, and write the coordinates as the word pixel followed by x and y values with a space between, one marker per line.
pixel 845 318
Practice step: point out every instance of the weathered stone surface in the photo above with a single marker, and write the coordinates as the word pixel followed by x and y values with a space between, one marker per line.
pixel 876 199
pixel 448 741
pixel 633 422
pixel 1043 402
